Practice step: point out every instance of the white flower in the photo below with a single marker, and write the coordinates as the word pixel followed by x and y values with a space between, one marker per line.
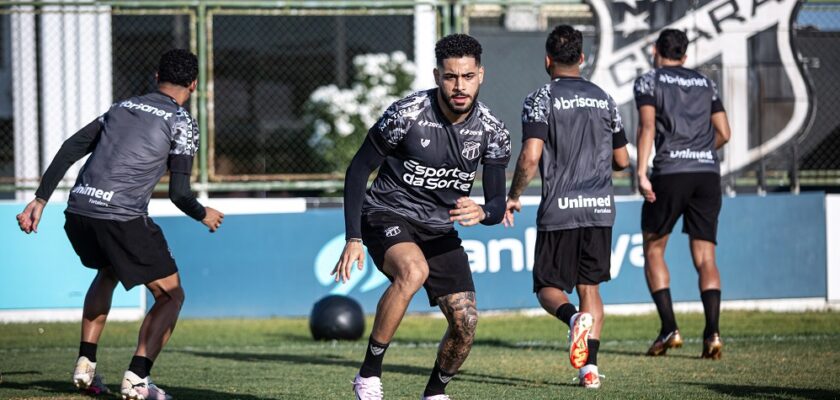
pixel 343 125
pixel 399 57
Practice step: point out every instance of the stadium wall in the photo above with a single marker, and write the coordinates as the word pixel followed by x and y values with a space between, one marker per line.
pixel 773 253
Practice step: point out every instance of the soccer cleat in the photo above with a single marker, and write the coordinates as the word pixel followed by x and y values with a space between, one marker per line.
pixel 662 343
pixel 435 397
pixel 588 377
pixel 581 324
pixel 86 379
pixel 367 388
pixel 135 388
pixel 712 347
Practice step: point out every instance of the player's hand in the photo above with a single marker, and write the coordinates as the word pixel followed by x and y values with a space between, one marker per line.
pixel 513 205
pixel 353 252
pixel 466 212
pixel 213 218
pixel 30 217
pixel 646 189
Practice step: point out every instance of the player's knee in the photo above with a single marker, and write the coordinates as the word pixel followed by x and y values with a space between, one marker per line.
pixel 706 264
pixel 464 324
pixel 412 276
pixel 174 293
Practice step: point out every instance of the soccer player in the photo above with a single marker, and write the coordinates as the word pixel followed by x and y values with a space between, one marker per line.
pixel 429 146
pixel 571 129
pixel 130 146
pixel 681 110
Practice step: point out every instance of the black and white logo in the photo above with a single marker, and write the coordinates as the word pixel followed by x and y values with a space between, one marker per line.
pixel 470 132
pixel 430 124
pixel 443 378
pixel 392 231
pixel 471 150
pixel 425 142
pixel 723 32
pixel 376 350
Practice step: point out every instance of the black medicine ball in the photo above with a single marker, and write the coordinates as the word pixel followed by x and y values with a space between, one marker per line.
pixel 337 317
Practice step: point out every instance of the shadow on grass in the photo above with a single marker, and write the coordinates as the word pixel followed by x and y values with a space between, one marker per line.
pixel 11 373
pixel 333 360
pixel 768 392
pixel 65 388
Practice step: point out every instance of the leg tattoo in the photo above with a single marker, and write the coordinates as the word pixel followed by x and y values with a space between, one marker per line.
pixel 460 311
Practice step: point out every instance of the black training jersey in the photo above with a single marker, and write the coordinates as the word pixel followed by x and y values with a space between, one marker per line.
pixel 430 162
pixel 685 101
pixel 580 125
pixel 139 138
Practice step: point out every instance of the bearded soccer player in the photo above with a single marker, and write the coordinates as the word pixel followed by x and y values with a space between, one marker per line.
pixel 680 110
pixel 428 147
pixel 572 130
pixel 131 146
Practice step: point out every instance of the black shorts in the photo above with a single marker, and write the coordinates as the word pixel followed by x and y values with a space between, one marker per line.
pixel 566 258
pixel 449 267
pixel 694 196
pixel 134 251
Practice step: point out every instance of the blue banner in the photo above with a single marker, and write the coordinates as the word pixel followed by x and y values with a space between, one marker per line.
pixel 278 264
pixel 41 270
pixel 266 265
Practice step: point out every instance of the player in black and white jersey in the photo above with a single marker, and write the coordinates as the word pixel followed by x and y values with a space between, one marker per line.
pixel 131 146
pixel 428 147
pixel 680 110
pixel 571 129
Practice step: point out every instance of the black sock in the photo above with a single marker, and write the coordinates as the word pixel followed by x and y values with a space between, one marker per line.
pixel 593 344
pixel 662 298
pixel 711 307
pixel 141 366
pixel 87 349
pixel 372 366
pixel 565 312
pixel 437 381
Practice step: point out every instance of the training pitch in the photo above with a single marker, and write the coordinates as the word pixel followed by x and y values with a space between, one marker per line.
pixel 766 355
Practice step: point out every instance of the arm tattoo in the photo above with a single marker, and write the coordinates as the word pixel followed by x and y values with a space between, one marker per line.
pixel 460 312
pixel 520 181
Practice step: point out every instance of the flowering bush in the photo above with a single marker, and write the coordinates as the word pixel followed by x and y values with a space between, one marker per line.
pixel 340 118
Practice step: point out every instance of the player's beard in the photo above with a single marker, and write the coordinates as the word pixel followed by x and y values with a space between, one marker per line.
pixel 447 101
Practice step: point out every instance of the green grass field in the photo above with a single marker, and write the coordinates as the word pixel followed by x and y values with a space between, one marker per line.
pixel 767 355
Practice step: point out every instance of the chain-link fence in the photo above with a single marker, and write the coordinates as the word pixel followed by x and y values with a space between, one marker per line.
pixel 266 67
pixel 287 89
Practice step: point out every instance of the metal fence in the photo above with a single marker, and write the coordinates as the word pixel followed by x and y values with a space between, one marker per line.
pixel 282 83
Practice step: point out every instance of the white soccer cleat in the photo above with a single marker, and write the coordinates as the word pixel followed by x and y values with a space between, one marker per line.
pixel 581 324
pixel 367 388
pixel 86 379
pixel 84 372
pixel 435 397
pixel 134 388
pixel 588 377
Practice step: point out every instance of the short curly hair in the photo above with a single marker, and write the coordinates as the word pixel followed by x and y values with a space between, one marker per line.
pixel 564 45
pixel 672 44
pixel 457 45
pixel 178 66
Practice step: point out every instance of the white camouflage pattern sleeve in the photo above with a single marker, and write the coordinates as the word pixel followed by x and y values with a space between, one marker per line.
pixel 645 85
pixel 395 122
pixel 535 108
pixel 185 134
pixel 616 125
pixel 498 143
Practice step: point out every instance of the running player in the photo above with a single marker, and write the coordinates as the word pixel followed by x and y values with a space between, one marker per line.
pixel 429 146
pixel 131 146
pixel 681 110
pixel 571 129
